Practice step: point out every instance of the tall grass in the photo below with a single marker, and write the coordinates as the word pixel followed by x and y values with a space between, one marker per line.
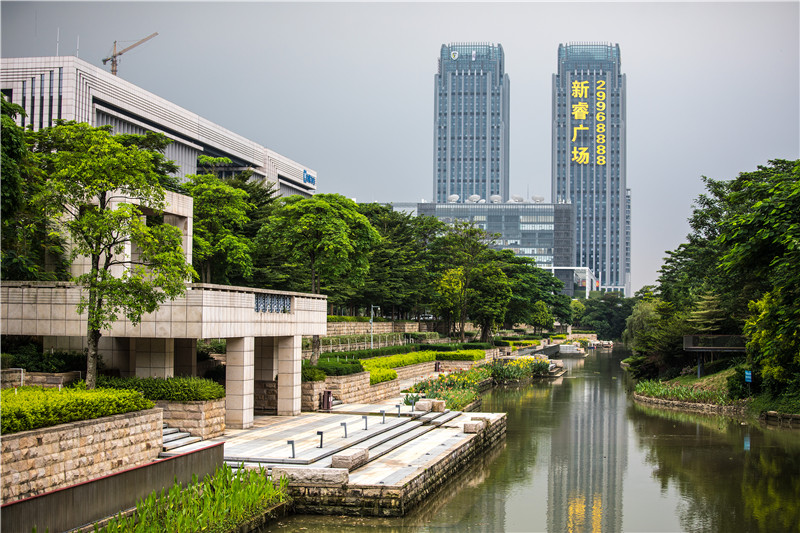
pixel 218 504
pixel 666 391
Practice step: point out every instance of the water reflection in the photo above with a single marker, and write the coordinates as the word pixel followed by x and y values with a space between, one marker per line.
pixel 579 455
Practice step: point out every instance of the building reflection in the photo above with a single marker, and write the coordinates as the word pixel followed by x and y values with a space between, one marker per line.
pixel 588 453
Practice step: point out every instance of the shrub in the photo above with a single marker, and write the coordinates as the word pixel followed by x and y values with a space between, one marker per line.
pixel 461 355
pixel 216 373
pixel 560 336
pixel 36 407
pixel 340 368
pixel 177 389
pixel 205 347
pixel 376 352
pixel 394 361
pixel 520 368
pixel 32 359
pixel 379 375
pixel 310 373
pixel 217 504
pixel 738 389
pixel 683 393
pixel 6 360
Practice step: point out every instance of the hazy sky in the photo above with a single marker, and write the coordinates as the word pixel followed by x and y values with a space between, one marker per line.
pixel 347 88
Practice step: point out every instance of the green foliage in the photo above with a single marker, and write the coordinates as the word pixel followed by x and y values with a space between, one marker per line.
pixel 344 318
pixel 461 355
pixel 458 389
pixel 375 352
pixel 205 347
pixel 395 361
pixel 491 294
pixel 219 504
pixel 32 360
pixel 606 314
pixel 520 368
pixel 541 317
pixel 310 373
pixel 28 408
pixel 219 250
pixel 738 389
pixel 379 375
pixel 667 391
pixel 340 368
pixel 559 336
pixel 175 389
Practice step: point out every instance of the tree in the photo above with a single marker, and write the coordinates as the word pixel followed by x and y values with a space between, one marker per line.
pixel 542 318
pixel 577 311
pixel 327 234
pixel 490 298
pixel 219 251
pixel 109 196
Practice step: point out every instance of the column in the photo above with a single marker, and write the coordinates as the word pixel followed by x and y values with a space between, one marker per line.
pixel 289 355
pixel 239 383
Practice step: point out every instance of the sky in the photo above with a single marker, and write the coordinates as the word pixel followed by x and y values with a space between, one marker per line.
pixel 347 89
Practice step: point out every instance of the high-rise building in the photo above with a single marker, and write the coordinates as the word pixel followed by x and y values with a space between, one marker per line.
pixel 471 123
pixel 588 162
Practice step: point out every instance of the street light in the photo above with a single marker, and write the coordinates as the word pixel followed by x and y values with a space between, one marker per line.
pixel 372 309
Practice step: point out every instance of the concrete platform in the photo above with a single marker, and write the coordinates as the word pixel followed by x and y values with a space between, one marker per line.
pixel 409 455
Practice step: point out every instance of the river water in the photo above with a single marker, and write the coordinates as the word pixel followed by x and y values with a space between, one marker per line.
pixel 580 455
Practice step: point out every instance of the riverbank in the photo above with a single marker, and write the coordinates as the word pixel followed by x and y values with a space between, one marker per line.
pixel 695 407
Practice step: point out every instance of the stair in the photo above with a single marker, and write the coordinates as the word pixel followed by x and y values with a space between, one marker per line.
pixel 174 438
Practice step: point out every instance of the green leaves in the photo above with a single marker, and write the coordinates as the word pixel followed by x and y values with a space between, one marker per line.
pixel 175 389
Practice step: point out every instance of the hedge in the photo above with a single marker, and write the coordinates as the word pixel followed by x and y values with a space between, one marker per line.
pixel 395 361
pixel 379 375
pixel 311 373
pixel 29 408
pixel 177 389
pixel 367 354
pixel 340 368
pixel 461 355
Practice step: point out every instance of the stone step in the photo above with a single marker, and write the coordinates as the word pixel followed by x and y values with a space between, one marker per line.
pixel 401 440
pixel 174 435
pixel 180 442
pixel 430 416
pixel 168 430
pixel 446 418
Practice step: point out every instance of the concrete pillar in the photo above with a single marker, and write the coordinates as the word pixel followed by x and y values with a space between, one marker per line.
pixel 288 351
pixel 239 383
pixel 153 358
pixel 185 357
pixel 266 367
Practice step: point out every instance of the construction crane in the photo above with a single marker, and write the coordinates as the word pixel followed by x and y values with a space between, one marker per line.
pixel 114 55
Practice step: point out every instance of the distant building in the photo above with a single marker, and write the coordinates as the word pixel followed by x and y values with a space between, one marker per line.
pixel 543 232
pixel 588 164
pixel 51 88
pixel 471 123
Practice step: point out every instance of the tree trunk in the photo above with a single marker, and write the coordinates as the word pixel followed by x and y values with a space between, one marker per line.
pixel 92 341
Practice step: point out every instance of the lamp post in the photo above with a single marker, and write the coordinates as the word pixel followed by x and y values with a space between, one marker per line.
pixel 372 309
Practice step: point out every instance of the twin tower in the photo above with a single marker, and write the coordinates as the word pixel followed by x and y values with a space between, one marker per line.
pixel 471 143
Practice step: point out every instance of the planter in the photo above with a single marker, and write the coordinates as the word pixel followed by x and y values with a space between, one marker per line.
pixel 204 419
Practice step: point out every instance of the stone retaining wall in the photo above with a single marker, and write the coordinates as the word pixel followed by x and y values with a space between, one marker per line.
pixel 379 500
pixel 710 408
pixel 265 396
pixel 201 419
pixel 14 377
pixel 311 392
pixel 355 388
pixel 49 458
pixel 418 370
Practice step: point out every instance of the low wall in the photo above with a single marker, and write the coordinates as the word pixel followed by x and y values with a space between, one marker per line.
pixel 17 377
pixel 88 502
pixel 379 500
pixel 709 408
pixel 310 396
pixel 50 458
pixel 201 419
pixel 265 396
pixel 355 388
pixel 455 366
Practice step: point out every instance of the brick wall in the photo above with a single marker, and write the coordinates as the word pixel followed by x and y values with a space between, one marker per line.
pixel 310 399
pixel 201 419
pixel 265 396
pixel 355 388
pixel 49 458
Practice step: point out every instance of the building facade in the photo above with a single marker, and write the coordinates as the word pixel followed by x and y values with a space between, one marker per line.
pixel 471 123
pixel 68 88
pixel 588 159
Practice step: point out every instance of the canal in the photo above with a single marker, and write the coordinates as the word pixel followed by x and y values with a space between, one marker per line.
pixel 580 455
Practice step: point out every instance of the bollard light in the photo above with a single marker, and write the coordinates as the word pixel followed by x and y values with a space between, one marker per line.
pixel 344 425
pixel 291 443
pixel 383 413
pixel 365 422
pixel 398 409
pixel 320 438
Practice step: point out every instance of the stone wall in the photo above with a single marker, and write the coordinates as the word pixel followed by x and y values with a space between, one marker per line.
pixel 14 377
pixel 265 396
pixel 49 458
pixel 455 366
pixel 691 406
pixel 363 328
pixel 355 388
pixel 378 500
pixel 200 419
pixel 419 370
pixel 311 400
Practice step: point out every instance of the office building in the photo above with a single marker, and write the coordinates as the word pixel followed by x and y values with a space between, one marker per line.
pixel 588 159
pixel 471 123
pixel 68 88
pixel 539 231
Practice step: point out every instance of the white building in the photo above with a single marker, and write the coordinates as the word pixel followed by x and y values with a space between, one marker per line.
pixel 68 88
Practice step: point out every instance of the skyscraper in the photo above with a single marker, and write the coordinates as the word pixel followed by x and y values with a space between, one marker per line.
pixel 588 164
pixel 471 123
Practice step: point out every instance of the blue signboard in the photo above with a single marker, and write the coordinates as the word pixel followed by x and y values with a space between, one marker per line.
pixel 748 376
pixel 308 178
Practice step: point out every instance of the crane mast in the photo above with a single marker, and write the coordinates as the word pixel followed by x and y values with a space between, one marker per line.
pixel 114 55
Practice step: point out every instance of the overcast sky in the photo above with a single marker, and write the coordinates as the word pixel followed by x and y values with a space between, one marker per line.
pixel 348 89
